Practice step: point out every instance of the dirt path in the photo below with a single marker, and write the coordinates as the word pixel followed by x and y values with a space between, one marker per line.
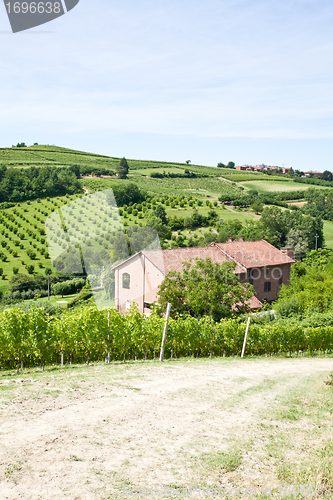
pixel 86 432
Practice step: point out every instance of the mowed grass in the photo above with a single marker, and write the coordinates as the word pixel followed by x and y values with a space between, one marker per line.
pixel 328 233
pixel 279 186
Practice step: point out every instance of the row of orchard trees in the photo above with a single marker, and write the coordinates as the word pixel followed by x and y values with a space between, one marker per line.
pixel 34 338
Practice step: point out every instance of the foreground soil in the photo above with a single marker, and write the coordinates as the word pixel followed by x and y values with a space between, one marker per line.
pixel 104 432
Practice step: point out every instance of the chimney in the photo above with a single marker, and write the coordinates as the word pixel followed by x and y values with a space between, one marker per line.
pixel 289 251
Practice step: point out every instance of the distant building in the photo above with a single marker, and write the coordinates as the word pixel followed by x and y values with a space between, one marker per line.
pixel 257 262
pixel 313 172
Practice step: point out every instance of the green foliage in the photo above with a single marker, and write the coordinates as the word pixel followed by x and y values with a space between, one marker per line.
pixel 205 289
pixel 122 169
pixel 277 223
pixel 127 193
pixel 257 206
pixel 30 183
pixel 33 337
pixel 310 290
pixel 68 287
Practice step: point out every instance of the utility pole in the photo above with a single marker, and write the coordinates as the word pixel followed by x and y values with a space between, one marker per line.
pixel 317 236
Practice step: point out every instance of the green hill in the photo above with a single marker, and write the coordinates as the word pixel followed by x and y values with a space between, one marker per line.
pixel 179 187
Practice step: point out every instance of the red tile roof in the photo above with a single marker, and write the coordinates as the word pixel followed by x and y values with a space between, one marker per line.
pixel 254 253
pixel 246 254
pixel 173 259
pixel 253 303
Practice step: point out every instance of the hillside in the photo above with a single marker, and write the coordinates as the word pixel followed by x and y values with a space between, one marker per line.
pixel 178 187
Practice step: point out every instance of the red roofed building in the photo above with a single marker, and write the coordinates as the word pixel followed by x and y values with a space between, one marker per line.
pixel 315 173
pixel 138 278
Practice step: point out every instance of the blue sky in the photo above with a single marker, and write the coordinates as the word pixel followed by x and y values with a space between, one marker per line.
pixel 248 81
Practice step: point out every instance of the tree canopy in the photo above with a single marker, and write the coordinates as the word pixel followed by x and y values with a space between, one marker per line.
pixel 205 288
pixel 123 168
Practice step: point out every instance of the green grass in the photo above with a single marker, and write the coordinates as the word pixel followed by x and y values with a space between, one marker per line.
pixel 279 186
pixel 328 233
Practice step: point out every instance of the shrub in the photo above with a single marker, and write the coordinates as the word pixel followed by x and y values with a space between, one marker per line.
pixel 30 268
pixel 15 270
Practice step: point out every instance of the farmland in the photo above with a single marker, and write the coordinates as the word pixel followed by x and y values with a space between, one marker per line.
pixel 277 186
pixel 23 239
pixel 22 226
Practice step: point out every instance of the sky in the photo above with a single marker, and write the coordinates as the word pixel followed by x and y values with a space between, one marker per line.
pixel 249 81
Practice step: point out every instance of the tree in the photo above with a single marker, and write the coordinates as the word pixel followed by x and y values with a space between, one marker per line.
pixel 187 162
pixel 122 169
pixel 326 176
pixel 221 165
pixel 161 213
pixel 231 164
pixel 257 206
pixel 205 288
pixel 163 231
pixel 126 193
pixel 295 239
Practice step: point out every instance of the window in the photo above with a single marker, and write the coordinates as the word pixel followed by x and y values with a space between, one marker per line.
pixel 126 281
pixel 267 286
pixel 146 305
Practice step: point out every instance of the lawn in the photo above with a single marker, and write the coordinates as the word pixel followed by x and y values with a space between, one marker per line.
pixel 115 431
pixel 276 186
pixel 328 233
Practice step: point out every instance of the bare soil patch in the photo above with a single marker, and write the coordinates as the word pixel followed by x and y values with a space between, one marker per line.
pixel 88 432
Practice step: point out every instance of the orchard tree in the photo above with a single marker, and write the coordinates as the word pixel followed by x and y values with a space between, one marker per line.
pixel 205 288
pixel 161 213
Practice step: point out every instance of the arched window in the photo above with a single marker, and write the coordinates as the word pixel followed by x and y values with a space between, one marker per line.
pixel 126 281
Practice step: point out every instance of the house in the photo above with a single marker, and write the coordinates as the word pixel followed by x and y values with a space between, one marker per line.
pixel 313 172
pixel 138 278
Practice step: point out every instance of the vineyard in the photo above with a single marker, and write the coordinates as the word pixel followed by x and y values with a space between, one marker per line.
pixel 34 338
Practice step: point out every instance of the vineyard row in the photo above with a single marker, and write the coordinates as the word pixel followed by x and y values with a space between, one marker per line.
pixel 33 338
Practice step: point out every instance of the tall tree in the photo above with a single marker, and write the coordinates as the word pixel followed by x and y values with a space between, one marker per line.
pixel 122 169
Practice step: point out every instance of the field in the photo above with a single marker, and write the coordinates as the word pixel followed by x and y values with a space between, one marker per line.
pixel 328 233
pixel 276 186
pixel 112 431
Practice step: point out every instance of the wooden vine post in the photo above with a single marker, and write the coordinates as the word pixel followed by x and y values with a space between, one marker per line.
pixel 245 337
pixel 165 331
